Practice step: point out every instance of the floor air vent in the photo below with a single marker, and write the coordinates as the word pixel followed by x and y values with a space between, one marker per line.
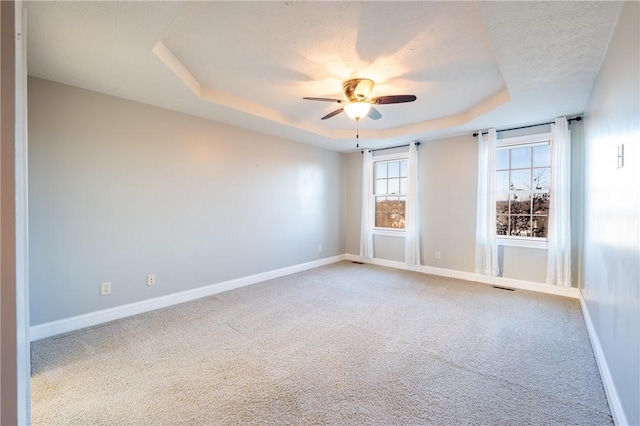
pixel 503 288
pixel 359 263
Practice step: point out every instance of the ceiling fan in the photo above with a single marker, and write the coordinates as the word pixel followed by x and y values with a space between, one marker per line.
pixel 358 103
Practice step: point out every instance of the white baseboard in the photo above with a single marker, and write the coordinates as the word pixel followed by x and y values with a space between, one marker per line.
pixel 470 276
pixel 94 318
pixel 615 405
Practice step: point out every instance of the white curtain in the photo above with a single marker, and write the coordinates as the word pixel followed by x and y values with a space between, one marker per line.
pixel 412 210
pixel 366 221
pixel 486 243
pixel 559 232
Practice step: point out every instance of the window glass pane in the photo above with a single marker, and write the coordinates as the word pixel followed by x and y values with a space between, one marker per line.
pixel 502 224
pixel 397 213
pixel 520 158
pixel 502 203
pixel 394 168
pixel 390 178
pixel 502 159
pixel 390 212
pixel 520 226
pixel 521 179
pixel 502 181
pixel 540 204
pixel 381 212
pixel 539 226
pixel 520 204
pixel 394 186
pixel 541 156
pixel 541 178
pixel 520 170
pixel 403 168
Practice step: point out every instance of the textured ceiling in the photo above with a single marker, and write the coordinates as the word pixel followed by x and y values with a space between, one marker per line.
pixel 471 65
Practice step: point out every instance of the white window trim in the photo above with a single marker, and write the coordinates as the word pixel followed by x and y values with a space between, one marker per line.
pixel 388 232
pixel 524 242
pixel 514 241
pixel 391 157
pixel 521 140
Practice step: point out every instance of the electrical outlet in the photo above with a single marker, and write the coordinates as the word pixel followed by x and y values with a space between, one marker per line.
pixel 105 288
pixel 438 255
pixel 319 249
pixel 151 279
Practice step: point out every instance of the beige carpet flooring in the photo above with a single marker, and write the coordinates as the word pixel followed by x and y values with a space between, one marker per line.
pixel 341 344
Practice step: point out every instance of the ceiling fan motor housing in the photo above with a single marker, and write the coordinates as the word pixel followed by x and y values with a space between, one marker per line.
pixel 357 89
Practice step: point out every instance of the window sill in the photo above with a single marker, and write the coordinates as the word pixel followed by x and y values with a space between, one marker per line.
pixel 522 242
pixel 389 232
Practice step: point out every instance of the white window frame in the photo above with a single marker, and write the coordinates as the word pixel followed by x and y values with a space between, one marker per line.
pixel 512 142
pixel 387 232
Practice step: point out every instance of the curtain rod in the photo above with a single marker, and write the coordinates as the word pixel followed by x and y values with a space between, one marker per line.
pixel 391 147
pixel 578 118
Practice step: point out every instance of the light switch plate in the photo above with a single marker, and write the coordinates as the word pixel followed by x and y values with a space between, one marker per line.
pixel 620 156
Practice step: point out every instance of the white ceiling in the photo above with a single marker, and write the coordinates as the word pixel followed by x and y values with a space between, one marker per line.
pixel 472 65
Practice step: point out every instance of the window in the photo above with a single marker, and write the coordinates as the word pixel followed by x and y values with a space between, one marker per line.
pixel 523 175
pixel 390 193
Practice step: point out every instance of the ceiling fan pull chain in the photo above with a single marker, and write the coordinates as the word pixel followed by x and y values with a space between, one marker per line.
pixel 357 134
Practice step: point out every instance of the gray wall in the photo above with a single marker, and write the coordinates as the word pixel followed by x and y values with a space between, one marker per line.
pixel 448 179
pixel 611 249
pixel 448 171
pixel 353 190
pixel 119 190
pixel 448 187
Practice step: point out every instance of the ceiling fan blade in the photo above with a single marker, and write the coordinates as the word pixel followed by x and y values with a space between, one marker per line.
pixel 323 99
pixel 331 114
pixel 374 114
pixel 394 99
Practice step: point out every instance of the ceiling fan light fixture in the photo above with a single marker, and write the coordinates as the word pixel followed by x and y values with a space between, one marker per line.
pixel 357 109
